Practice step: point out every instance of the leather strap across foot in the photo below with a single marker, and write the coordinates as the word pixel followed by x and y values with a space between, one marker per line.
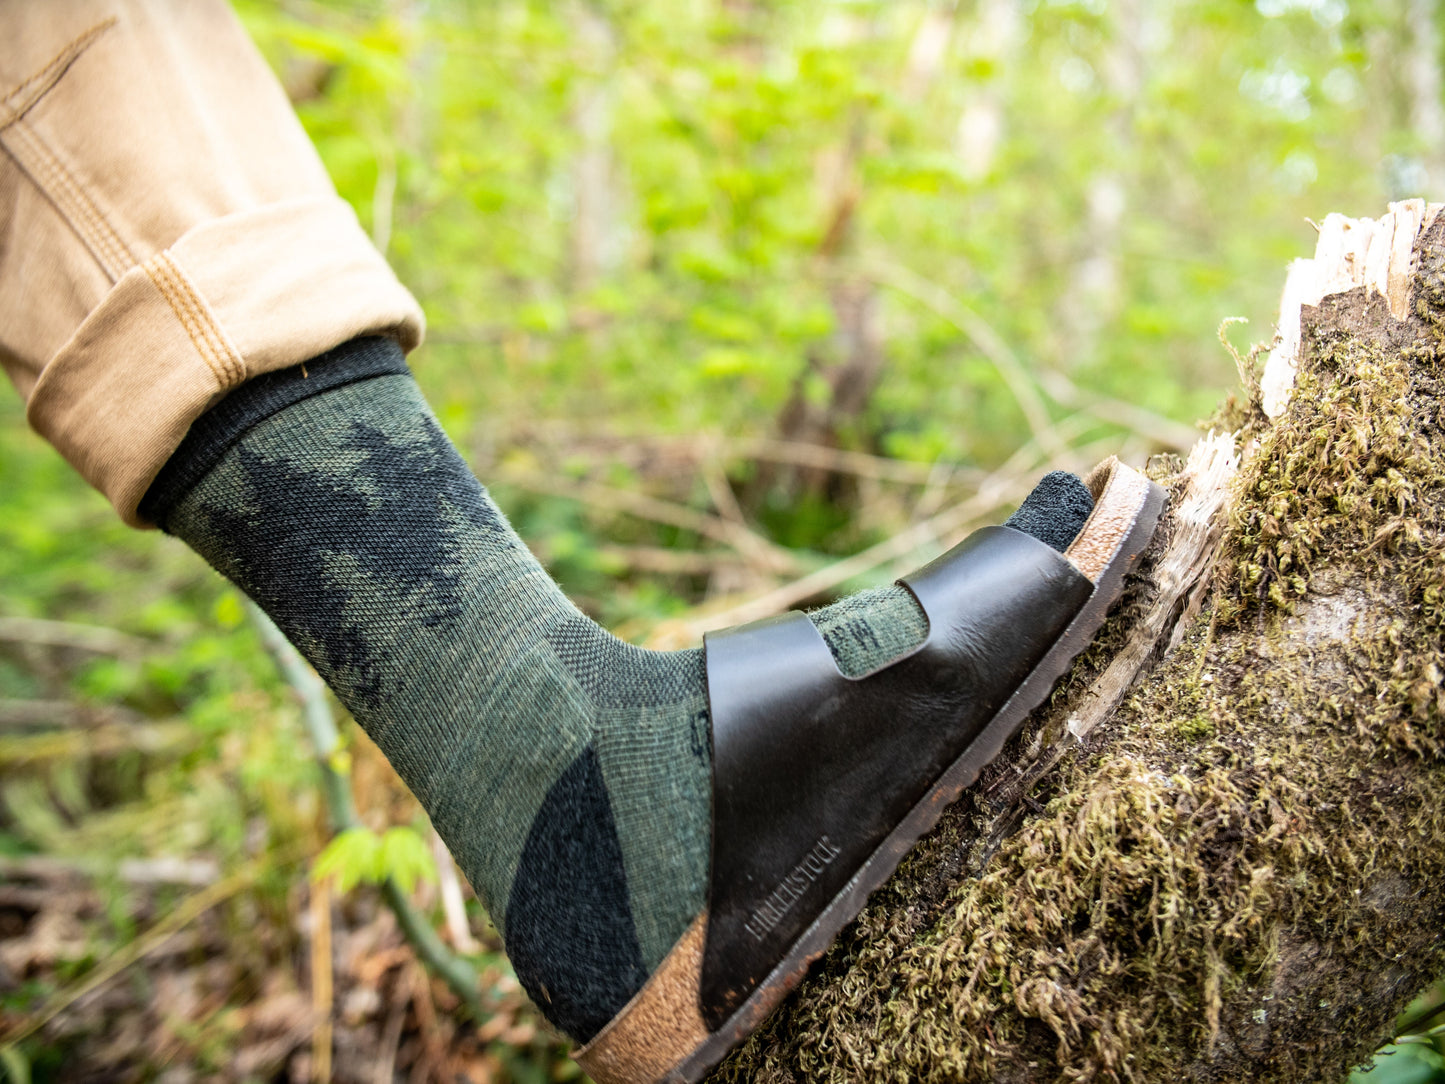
pixel 813 769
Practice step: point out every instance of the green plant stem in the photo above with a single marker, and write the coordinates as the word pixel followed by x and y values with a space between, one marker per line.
pixel 320 724
pixel 455 970
pixel 1417 1025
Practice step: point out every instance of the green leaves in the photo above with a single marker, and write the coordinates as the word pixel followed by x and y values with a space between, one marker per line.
pixel 361 856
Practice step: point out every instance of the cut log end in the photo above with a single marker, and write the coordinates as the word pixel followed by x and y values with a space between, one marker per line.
pixel 1378 254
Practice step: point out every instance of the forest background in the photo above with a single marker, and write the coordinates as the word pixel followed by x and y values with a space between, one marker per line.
pixel 722 297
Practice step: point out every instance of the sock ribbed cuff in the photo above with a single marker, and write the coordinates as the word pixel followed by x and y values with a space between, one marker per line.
pixel 253 402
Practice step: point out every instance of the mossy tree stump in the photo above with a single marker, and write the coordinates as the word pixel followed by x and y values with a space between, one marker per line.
pixel 1218 852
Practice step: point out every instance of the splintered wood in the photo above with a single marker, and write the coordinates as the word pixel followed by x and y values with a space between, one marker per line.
pixel 1351 252
pixel 1192 530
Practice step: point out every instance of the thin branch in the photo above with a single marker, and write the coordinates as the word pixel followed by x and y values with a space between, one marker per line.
pixel 39 714
pixel 383 199
pixel 316 717
pixel 95 638
pixel 454 907
pixel 1001 489
pixel 1027 457
pixel 669 562
pixel 860 464
pixel 1164 431
pixel 195 872
pixel 988 342
pixel 101 741
pixel 720 492
pixel 769 557
pixel 1008 484
pixel 385 1071
pixel 321 981
pixel 1415 1025
pixel 181 916
pixel 935 492
pixel 1161 430
pixel 769 449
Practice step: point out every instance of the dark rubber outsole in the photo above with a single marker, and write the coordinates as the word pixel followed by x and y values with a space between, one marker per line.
pixel 1032 691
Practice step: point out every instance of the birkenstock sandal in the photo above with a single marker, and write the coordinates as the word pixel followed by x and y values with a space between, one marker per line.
pixel 822 782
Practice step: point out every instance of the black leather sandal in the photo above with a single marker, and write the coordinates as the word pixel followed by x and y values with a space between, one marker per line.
pixel 821 783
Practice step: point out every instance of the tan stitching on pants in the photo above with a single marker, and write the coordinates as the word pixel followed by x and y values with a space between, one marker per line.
pixel 195 316
pixel 26 94
pixel 51 176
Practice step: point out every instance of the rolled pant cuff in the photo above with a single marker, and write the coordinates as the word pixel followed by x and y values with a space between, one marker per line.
pixel 246 294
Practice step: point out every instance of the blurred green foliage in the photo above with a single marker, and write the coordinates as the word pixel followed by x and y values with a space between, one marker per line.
pixel 630 220
pixel 720 139
pixel 651 218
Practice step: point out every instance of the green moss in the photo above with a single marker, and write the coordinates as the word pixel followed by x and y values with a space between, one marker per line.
pixel 1245 875
pixel 1193 727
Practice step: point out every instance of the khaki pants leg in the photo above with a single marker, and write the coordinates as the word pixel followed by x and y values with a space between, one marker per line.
pixel 166 230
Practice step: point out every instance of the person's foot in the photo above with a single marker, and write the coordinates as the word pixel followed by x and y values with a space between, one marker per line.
pixel 822 781
pixel 570 773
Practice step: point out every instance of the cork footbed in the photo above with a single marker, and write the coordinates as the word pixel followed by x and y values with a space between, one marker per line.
pixel 1118 494
pixel 660 1026
pixel 659 1035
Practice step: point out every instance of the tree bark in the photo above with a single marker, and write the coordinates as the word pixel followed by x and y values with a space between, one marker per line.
pixel 1218 852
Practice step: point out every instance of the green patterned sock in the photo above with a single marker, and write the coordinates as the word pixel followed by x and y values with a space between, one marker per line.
pixel 567 771
pixel 872 628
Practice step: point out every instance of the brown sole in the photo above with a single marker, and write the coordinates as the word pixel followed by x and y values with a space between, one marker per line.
pixel 1106 550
